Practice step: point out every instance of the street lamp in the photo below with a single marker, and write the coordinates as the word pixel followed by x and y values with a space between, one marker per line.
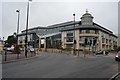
pixel 45 42
pixel 18 11
pixel 74 36
pixel 26 38
pixel 3 41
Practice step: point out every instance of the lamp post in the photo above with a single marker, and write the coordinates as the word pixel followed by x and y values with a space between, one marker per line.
pixel 45 42
pixel 74 37
pixel 18 11
pixel 3 41
pixel 26 38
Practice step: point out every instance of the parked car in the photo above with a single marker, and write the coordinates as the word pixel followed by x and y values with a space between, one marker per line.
pixel 31 49
pixel 99 52
pixel 102 52
pixel 117 56
pixel 105 52
pixel 9 49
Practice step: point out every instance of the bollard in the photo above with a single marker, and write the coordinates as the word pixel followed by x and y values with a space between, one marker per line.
pixel 84 54
pixel 31 53
pixel 78 52
pixel 34 53
pixel 17 55
pixel 5 55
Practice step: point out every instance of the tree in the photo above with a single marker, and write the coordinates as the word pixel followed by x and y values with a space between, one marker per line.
pixel 17 49
pixel 11 40
pixel 14 34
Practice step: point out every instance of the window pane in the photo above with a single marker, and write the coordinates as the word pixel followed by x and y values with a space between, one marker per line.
pixel 69 39
pixel 87 31
pixel 69 45
pixel 69 34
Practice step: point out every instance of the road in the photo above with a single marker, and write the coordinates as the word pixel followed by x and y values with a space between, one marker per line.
pixel 51 65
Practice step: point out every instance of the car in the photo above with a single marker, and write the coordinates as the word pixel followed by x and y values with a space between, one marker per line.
pixel 117 56
pixel 9 49
pixel 102 52
pixel 31 49
pixel 99 52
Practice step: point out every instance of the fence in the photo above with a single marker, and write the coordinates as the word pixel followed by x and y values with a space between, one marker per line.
pixel 78 52
pixel 8 56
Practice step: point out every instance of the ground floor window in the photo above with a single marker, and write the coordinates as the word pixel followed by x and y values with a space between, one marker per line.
pixel 69 45
pixel 103 46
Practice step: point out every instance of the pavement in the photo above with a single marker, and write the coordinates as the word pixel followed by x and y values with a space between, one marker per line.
pixel 54 65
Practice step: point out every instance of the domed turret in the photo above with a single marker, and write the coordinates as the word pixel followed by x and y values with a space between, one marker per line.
pixel 87 18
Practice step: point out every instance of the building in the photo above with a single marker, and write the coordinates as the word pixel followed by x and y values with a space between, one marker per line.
pixel 118 40
pixel 62 35
pixel 96 36
pixel 41 37
pixel 1 45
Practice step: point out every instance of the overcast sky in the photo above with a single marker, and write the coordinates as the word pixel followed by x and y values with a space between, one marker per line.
pixel 43 13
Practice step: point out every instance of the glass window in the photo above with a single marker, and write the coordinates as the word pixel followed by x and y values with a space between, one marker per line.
pixel 82 38
pixel 103 46
pixel 88 39
pixel 87 31
pixel 21 38
pixel 103 40
pixel 102 34
pixel 82 31
pixel 69 45
pixel 92 31
pixel 69 34
pixel 107 36
pixel 76 24
pixel 81 45
pixel 69 39
pixel 106 41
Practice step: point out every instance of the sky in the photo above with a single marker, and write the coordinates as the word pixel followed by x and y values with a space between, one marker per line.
pixel 44 13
